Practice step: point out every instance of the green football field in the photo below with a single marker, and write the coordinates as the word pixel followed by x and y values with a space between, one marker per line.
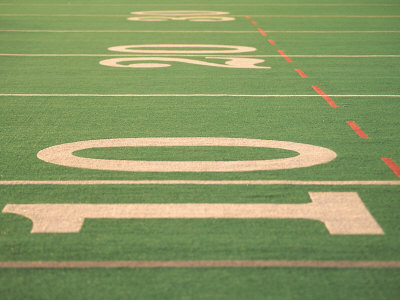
pixel 200 149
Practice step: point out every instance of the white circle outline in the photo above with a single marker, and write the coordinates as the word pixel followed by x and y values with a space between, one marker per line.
pixel 309 155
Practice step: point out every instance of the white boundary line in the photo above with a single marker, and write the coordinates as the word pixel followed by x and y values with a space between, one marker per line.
pixel 258 16
pixel 185 95
pixel 199 4
pixel 195 31
pixel 194 55
pixel 200 182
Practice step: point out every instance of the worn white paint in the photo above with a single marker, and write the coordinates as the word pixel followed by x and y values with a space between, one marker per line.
pixel 341 212
pixel 309 155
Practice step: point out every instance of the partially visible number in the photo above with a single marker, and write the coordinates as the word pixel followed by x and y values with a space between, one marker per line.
pixel 180 15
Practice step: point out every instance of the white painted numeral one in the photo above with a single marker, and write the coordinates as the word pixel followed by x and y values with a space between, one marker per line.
pixel 180 15
pixel 341 213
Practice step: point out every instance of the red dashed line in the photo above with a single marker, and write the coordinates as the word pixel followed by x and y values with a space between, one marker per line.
pixel 261 31
pixel 254 23
pixel 301 73
pixel 392 165
pixel 248 17
pixel 272 42
pixel 285 56
pixel 325 96
pixel 357 129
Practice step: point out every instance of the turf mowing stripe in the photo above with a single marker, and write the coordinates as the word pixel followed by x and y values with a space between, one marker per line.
pixel 285 56
pixel 325 96
pixel 357 129
pixel 301 73
pixel 261 31
pixel 338 264
pixel 188 95
pixel 392 165
pixel 195 31
pixel 199 182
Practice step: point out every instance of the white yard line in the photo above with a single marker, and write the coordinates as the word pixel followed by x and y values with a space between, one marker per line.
pixel 196 31
pixel 194 55
pixel 204 4
pixel 258 16
pixel 202 182
pixel 186 95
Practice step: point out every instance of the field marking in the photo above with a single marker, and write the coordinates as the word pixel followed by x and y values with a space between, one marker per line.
pixel 336 264
pixel 357 129
pixel 200 4
pixel 301 73
pixel 261 31
pixel 259 16
pixel 192 55
pixel 392 165
pixel 205 182
pixel 272 42
pixel 285 56
pixel 128 31
pixel 325 96
pixel 191 95
pixel 308 155
pixel 254 23
pixel 342 213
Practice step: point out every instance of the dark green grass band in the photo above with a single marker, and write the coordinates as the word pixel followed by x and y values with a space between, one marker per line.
pixel 198 264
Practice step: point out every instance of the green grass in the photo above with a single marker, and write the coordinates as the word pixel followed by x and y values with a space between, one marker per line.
pixel 30 124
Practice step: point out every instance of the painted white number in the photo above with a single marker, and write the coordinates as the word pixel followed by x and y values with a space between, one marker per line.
pixel 161 49
pixel 309 155
pixel 181 15
pixel 341 213
pixel 241 63
pixel 165 49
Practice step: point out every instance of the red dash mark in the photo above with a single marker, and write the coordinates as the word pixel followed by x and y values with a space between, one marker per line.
pixel 272 42
pixel 284 56
pixel 392 165
pixel 301 73
pixel 248 17
pixel 357 129
pixel 262 32
pixel 325 96
pixel 254 23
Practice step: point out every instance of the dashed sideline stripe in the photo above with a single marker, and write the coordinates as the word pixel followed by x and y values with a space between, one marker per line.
pixel 301 73
pixel 285 56
pixel 199 182
pixel 339 264
pixel 357 129
pixel 325 96
pixel 261 31
pixel 392 165
pixel 189 95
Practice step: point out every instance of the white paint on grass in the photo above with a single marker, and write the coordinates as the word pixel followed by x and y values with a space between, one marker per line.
pixel 204 182
pixel 194 95
pixel 231 62
pixel 309 155
pixel 342 213
pixel 141 49
pixel 181 15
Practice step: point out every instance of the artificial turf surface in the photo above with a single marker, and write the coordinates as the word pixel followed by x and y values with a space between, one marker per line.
pixel 29 124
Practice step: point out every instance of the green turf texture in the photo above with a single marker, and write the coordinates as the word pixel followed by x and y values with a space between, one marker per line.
pixel 30 124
